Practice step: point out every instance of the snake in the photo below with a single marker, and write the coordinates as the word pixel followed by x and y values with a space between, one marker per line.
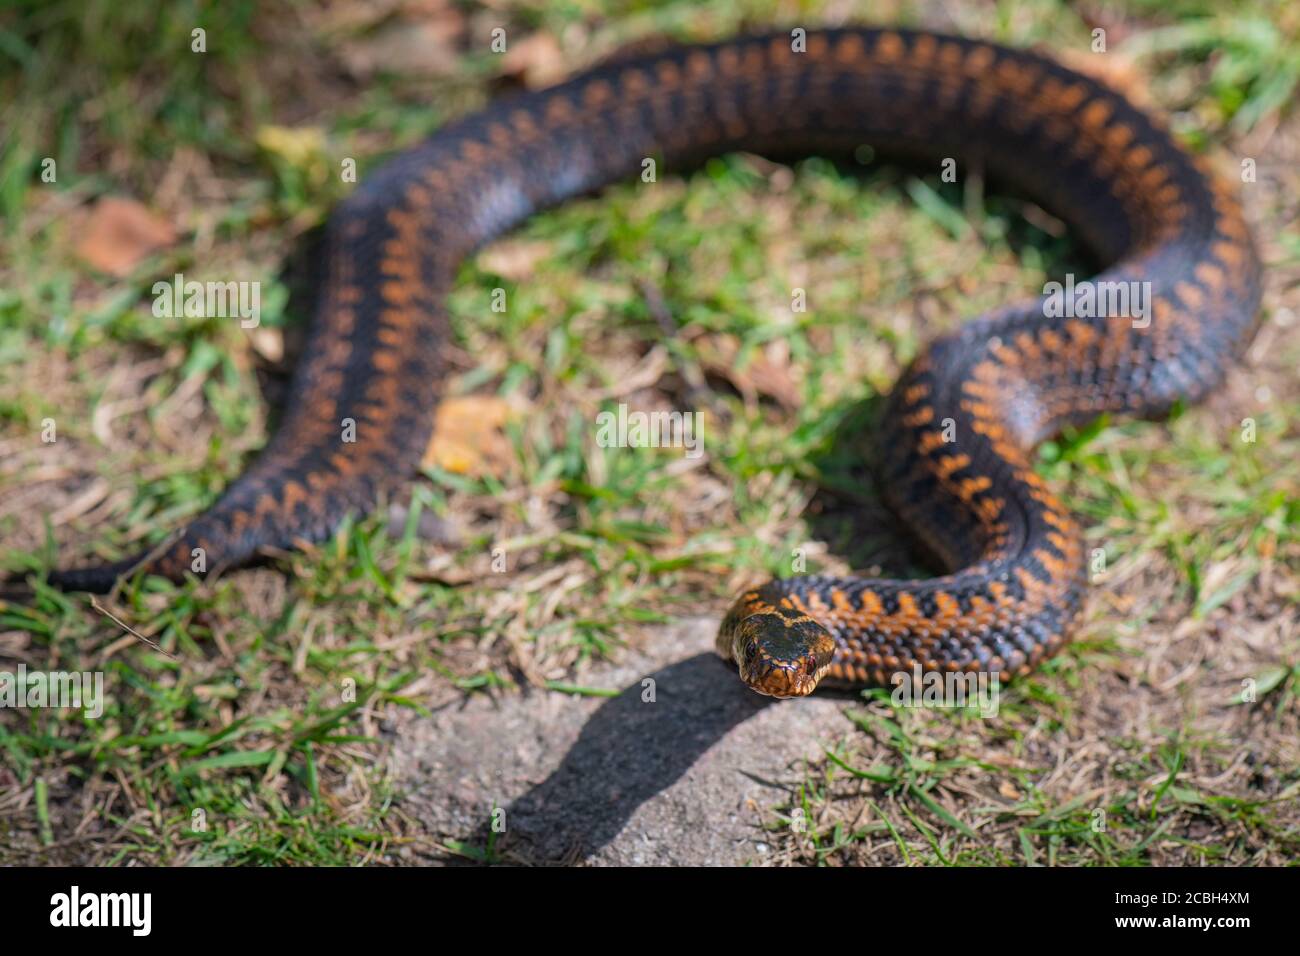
pixel 959 430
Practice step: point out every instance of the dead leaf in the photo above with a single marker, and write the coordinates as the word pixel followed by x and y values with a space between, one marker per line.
pixel 514 259
pixel 768 373
pixel 423 48
pixel 119 234
pixel 297 146
pixel 537 59
pixel 469 436
pixel 268 343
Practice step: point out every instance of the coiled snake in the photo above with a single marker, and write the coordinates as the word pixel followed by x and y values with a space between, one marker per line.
pixel 961 425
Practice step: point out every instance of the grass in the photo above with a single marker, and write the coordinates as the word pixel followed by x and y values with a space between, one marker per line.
pixel 257 729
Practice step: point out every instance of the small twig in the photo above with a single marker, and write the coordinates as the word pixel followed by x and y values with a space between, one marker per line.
pixel 94 602
pixel 696 386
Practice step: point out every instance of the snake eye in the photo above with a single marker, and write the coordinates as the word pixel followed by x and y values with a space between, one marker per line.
pixel 750 652
pixel 811 667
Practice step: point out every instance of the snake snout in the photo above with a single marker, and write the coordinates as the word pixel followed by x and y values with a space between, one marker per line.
pixel 781 652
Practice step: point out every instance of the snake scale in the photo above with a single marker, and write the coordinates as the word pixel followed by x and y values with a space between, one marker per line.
pixel 960 427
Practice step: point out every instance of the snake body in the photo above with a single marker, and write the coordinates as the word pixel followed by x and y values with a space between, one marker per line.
pixel 959 428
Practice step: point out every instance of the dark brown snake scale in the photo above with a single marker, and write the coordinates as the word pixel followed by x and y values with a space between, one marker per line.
pixel 961 425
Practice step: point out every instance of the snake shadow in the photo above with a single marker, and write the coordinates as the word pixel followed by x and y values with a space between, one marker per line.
pixel 302 273
pixel 628 751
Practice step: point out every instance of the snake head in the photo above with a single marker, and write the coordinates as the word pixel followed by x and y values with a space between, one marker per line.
pixel 780 652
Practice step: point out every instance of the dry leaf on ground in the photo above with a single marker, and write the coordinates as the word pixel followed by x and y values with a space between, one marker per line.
pixel 469 436
pixel 537 59
pixel 119 234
